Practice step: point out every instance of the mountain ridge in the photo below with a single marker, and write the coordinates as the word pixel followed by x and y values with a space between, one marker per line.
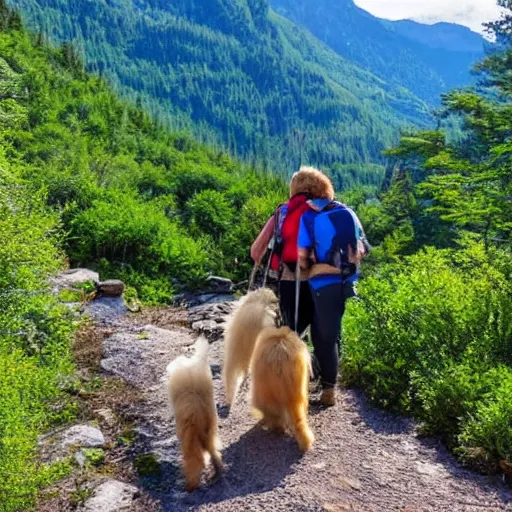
pixel 390 49
pixel 236 75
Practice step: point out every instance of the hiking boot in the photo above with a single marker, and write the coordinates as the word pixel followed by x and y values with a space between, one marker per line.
pixel 328 397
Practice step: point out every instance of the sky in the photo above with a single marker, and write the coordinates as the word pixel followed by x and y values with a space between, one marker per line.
pixel 471 13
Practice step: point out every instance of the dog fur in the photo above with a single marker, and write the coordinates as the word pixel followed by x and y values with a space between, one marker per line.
pixel 280 369
pixel 190 389
pixel 256 310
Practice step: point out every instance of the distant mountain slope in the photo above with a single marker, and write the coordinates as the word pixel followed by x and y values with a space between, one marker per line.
pixel 237 75
pixel 426 59
pixel 446 36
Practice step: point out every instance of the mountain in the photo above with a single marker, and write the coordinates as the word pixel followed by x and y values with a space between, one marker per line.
pixel 428 60
pixel 133 199
pixel 445 36
pixel 238 76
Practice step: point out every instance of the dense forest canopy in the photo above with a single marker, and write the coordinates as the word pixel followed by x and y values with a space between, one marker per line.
pixel 238 76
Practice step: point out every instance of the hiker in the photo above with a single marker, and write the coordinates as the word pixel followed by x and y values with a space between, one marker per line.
pixel 331 245
pixel 281 234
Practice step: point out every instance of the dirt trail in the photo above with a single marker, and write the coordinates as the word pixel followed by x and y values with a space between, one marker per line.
pixel 363 459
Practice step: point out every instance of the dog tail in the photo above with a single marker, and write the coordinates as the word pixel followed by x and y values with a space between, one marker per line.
pixel 202 348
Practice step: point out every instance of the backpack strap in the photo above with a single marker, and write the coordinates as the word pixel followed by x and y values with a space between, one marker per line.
pixel 309 224
pixel 274 242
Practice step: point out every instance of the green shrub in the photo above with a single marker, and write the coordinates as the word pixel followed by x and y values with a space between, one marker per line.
pixel 490 425
pixel 430 335
pixel 34 340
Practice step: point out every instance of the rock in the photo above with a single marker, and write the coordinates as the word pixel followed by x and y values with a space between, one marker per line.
pixel 106 308
pixel 220 284
pixel 110 288
pixel 209 319
pixel 110 496
pixel 72 277
pixel 205 326
pixel 60 444
pixel 84 436
pixel 209 328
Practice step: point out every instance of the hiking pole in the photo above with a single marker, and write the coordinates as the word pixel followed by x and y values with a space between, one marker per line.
pixel 253 275
pixel 267 267
pixel 297 294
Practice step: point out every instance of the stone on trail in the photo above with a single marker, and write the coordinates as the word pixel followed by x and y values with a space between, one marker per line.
pixel 72 277
pixel 220 284
pixel 82 435
pixel 111 288
pixel 110 496
pixel 58 445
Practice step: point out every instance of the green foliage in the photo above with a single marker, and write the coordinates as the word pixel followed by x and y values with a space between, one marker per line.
pixel 431 335
pixel 236 75
pixel 136 202
pixel 94 456
pixel 34 335
pixel 490 425
pixel 432 332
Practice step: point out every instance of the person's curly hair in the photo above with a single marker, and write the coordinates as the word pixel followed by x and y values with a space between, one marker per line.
pixel 312 182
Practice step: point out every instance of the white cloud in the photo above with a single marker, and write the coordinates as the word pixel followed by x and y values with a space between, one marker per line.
pixel 471 13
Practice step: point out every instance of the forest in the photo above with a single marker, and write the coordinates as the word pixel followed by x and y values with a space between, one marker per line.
pixel 89 178
pixel 238 77
pixel 427 60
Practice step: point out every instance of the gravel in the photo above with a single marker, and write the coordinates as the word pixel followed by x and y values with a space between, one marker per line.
pixel 363 459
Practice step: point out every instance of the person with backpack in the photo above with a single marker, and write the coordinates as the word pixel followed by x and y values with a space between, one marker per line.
pixel 331 245
pixel 280 233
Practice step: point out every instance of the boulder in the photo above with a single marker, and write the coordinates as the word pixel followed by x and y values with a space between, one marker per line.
pixel 110 288
pixel 69 279
pixel 84 436
pixel 60 444
pixel 220 284
pixel 110 496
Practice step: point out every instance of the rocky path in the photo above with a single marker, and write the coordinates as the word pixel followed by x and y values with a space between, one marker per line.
pixel 363 459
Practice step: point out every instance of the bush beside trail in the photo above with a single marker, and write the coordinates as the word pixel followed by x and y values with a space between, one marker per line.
pixel 34 342
pixel 431 336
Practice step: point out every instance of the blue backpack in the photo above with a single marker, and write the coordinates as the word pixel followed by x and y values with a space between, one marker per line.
pixel 345 228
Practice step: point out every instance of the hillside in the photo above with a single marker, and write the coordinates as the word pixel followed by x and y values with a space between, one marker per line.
pixel 445 36
pixel 237 75
pixel 425 59
pixel 137 201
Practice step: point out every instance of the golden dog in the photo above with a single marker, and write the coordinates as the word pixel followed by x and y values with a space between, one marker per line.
pixel 257 310
pixel 190 388
pixel 280 369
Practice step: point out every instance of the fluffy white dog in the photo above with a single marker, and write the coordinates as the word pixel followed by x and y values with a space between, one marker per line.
pixel 256 310
pixel 190 388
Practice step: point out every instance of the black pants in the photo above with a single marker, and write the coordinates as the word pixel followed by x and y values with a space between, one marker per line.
pixel 329 306
pixel 287 303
